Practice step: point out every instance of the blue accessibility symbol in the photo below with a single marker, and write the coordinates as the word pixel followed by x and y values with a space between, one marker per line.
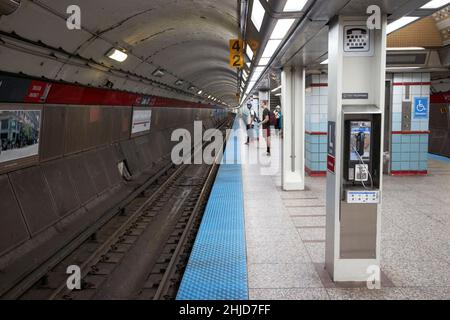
pixel 421 107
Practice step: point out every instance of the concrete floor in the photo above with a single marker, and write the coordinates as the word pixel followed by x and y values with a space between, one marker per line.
pixel 285 234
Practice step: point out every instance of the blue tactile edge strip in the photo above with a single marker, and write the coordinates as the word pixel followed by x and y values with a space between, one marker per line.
pixel 217 267
pixel 438 158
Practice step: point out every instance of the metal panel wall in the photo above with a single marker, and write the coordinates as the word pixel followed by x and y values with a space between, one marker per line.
pixel 34 198
pixel 12 227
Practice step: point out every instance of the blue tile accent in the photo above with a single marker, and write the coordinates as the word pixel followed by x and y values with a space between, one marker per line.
pixel 217 267
pixel 405 165
pixel 396 148
pixel 396 138
pixel 438 158
pixel 415 147
pixel 396 166
pixel 414 156
pixel 405 147
pixel 414 165
pixel 415 138
pixel 423 165
pixel 405 156
pixel 406 138
pixel 396 156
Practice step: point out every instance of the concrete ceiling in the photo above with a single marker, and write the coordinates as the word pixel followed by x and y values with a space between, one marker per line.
pixel 188 38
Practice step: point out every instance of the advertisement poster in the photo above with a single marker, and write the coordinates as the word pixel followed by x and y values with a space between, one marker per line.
pixel 142 119
pixel 19 134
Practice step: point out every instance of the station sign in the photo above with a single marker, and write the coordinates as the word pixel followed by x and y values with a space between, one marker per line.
pixel 236 53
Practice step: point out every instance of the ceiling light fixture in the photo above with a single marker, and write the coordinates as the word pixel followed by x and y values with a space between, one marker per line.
pixel 294 5
pixel 281 28
pixel 249 53
pixel 405 49
pixel 258 14
pixel 435 4
pixel 271 47
pixel 324 61
pixel 159 73
pixel 117 55
pixel 400 23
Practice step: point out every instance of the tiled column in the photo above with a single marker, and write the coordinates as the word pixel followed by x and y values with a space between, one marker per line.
pixel 316 108
pixel 293 156
pixel 409 150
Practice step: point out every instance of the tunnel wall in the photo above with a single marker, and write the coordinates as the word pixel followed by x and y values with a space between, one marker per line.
pixel 76 170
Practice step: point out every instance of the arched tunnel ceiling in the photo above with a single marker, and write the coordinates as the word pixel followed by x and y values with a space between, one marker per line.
pixel 188 38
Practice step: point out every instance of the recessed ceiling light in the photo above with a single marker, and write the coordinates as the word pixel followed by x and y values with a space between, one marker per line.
pixel 271 47
pixel 402 68
pixel 405 49
pixel 263 61
pixel 258 14
pixel 117 55
pixel 249 52
pixel 200 92
pixel 179 82
pixel 159 73
pixel 435 4
pixel 400 23
pixel 324 62
pixel 294 5
pixel 281 28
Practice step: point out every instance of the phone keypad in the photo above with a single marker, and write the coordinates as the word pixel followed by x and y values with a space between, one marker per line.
pixel 357 39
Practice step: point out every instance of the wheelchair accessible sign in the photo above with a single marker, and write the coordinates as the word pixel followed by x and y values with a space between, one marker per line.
pixel 421 107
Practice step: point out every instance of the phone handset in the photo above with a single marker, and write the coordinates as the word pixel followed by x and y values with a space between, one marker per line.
pixel 360 143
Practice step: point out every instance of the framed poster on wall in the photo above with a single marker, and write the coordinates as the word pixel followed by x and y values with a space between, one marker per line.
pixel 141 121
pixel 19 136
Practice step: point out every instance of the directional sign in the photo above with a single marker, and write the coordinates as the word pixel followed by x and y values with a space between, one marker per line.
pixel 236 53
pixel 421 107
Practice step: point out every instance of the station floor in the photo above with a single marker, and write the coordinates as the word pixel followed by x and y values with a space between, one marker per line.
pixel 285 235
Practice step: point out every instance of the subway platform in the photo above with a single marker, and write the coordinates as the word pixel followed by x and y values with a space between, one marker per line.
pixel 285 235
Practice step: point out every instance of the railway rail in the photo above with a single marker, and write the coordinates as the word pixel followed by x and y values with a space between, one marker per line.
pixel 139 253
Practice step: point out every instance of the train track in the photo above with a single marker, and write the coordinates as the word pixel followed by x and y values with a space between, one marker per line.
pixel 140 253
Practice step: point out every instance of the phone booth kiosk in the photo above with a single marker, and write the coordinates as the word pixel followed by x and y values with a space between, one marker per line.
pixel 357 60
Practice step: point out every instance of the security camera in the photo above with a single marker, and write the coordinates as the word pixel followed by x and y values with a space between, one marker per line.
pixel 8 6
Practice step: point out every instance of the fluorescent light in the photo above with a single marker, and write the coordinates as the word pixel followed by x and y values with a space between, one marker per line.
pixel 158 73
pixel 400 23
pixel 249 64
pixel 294 5
pixel 117 55
pixel 271 47
pixel 249 52
pixel 402 68
pixel 281 28
pixel 263 61
pixel 324 61
pixel 200 92
pixel 258 13
pixel 278 95
pixel 276 89
pixel 405 49
pixel 259 69
pixel 434 4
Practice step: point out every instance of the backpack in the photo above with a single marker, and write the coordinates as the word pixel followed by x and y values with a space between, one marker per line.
pixel 272 118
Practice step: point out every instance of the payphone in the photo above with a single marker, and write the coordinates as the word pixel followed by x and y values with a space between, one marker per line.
pixel 356 73
pixel 361 130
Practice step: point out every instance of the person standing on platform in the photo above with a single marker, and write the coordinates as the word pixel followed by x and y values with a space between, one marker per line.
pixel 278 117
pixel 250 122
pixel 265 123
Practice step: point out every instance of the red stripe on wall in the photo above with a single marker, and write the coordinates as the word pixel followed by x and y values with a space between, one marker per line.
pixel 315 85
pixel 412 83
pixel 311 173
pixel 410 173
pixel 411 132
pixel 316 133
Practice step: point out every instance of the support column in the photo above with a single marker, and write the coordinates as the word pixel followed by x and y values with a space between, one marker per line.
pixel 293 146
